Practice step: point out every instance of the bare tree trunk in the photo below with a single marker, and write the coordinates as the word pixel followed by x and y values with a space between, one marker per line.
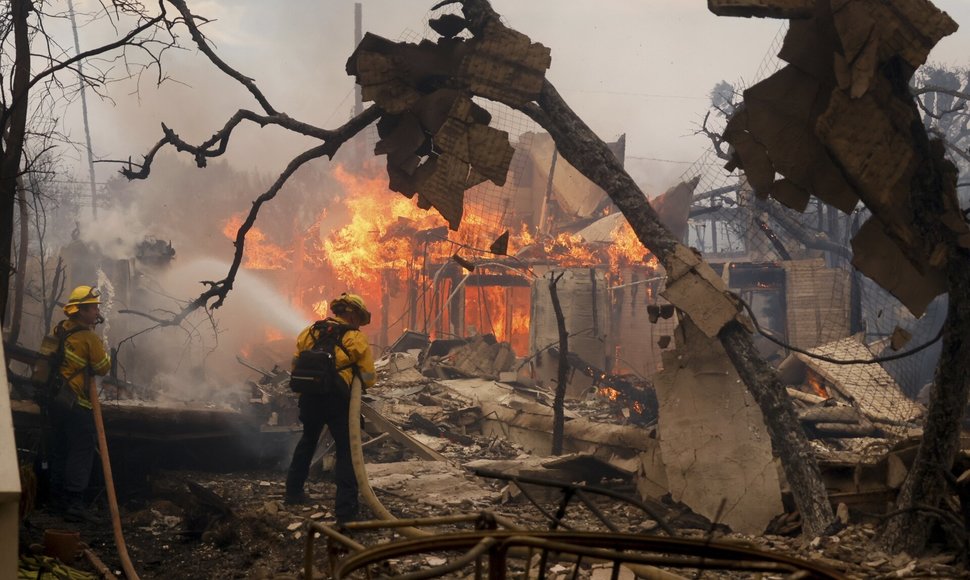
pixel 13 125
pixel 589 154
pixel 50 300
pixel 926 484
pixel 558 411
pixel 20 278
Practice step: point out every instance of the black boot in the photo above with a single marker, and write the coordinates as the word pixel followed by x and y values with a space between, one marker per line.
pixel 77 511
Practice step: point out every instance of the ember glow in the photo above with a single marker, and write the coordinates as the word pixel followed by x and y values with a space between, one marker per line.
pixel 611 393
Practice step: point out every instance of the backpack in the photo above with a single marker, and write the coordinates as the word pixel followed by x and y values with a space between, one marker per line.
pixel 46 376
pixel 315 370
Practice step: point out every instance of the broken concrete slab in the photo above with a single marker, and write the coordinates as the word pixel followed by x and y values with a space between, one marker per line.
pixel 712 434
pixel 587 467
pixel 432 483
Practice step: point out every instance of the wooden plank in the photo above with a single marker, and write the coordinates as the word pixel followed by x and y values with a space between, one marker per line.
pixel 398 435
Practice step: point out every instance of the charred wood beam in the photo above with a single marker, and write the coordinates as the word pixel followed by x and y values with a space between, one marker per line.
pixel 559 419
pixel 773 238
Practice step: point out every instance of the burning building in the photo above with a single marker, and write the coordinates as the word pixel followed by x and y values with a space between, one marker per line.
pixel 490 277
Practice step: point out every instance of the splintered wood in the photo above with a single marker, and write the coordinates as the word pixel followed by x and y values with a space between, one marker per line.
pixel 437 140
pixel 832 125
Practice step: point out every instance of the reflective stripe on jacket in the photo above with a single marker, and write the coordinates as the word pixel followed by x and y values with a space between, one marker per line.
pixel 82 350
pixel 357 346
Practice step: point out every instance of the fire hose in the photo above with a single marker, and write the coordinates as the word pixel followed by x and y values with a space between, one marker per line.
pixel 360 470
pixel 126 564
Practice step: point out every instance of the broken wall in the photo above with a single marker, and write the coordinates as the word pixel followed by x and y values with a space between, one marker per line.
pixel 586 308
pixel 713 437
pixel 818 302
pixel 637 349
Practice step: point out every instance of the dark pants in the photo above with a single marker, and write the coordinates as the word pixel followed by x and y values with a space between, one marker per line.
pixel 72 451
pixel 316 411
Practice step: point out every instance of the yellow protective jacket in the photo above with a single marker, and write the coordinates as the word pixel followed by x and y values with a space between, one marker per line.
pixel 357 346
pixel 83 354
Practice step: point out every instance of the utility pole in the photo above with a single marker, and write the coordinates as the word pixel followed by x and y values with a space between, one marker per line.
pixel 84 112
pixel 358 35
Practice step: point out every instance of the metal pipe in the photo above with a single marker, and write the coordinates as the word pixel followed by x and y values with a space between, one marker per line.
pixel 457 564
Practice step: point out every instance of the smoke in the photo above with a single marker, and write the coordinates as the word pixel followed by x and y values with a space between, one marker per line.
pixel 115 233
pixel 253 302
pixel 197 360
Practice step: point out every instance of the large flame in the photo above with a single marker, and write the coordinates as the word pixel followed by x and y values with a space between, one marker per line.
pixel 259 253
pixel 384 246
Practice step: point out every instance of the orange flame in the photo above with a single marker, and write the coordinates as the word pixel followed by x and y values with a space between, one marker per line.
pixel 384 240
pixel 817 384
pixel 627 249
pixel 360 251
pixel 259 254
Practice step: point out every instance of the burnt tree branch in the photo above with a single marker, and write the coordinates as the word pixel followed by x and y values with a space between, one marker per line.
pixel 218 290
pixel 717 141
pixel 217 144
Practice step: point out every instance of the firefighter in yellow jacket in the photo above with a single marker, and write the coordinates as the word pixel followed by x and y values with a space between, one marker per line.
pixel 70 413
pixel 330 406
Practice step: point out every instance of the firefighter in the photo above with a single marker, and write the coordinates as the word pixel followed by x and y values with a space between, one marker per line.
pixel 71 418
pixel 332 408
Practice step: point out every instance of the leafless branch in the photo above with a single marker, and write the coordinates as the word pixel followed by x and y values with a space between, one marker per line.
pixel 219 289
pixel 938 89
pixel 216 145
pixel 715 136
pixel 960 106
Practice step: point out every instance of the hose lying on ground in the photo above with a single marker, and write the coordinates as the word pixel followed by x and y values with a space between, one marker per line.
pixel 360 470
pixel 109 483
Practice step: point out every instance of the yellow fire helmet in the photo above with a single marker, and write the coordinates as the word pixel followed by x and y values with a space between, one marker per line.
pixel 81 295
pixel 350 302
